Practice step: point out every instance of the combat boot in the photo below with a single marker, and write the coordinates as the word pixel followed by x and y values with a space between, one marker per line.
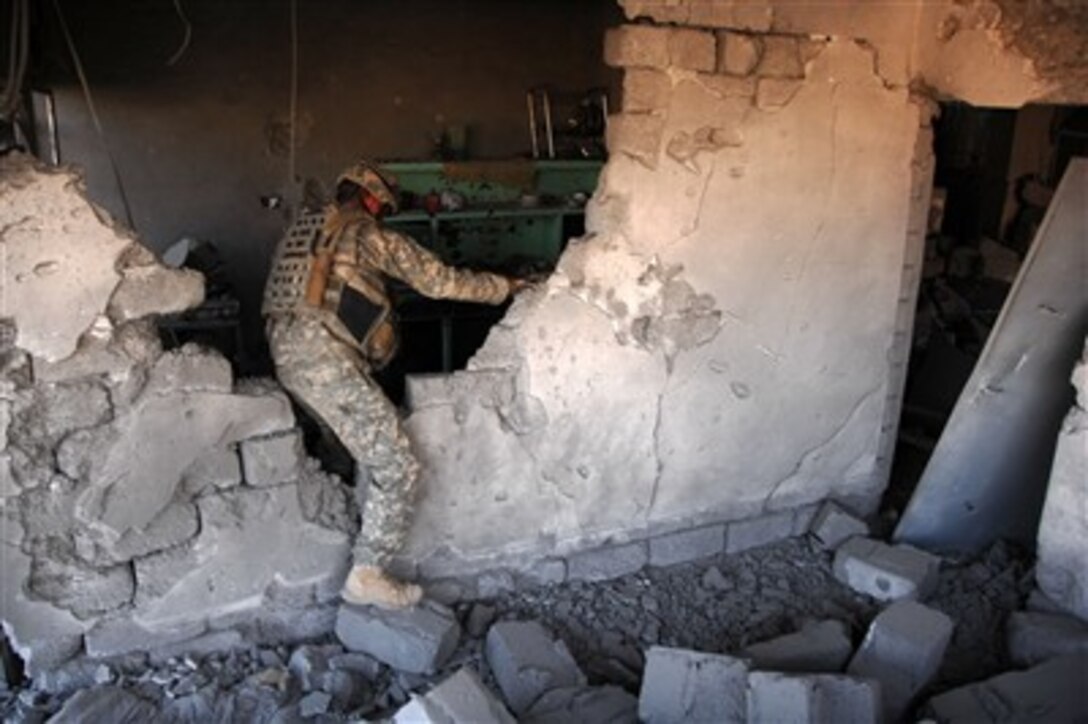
pixel 371 586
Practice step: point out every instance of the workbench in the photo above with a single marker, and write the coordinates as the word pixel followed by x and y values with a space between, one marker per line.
pixel 517 217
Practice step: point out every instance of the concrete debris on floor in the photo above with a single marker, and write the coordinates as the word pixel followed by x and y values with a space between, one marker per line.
pixel 767 635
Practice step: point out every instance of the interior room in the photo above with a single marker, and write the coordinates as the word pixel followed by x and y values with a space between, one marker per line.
pixel 590 360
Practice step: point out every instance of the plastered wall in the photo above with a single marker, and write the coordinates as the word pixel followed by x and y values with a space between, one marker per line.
pixel 729 342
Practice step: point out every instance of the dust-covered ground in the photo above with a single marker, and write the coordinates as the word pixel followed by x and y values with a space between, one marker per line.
pixel 719 604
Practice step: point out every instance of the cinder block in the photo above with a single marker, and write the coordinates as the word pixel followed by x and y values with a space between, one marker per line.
pixel 681 685
pixel 460 698
pixel 834 525
pixel 687 545
pixel 528 661
pixel 822 646
pixel 775 698
pixel 1036 637
pixel 416 640
pixel 755 532
pixel 738 54
pixel 638 46
pixel 779 699
pixel 887 573
pixel 847 699
pixel 583 704
pixel 728 86
pixel 272 460
pixel 781 58
pixel 1053 691
pixel 607 562
pixel 645 90
pixel 692 49
pixel 902 650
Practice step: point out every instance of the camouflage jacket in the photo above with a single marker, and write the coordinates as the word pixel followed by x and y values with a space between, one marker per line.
pixel 364 255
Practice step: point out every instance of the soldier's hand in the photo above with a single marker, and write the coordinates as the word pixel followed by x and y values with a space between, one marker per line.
pixel 518 284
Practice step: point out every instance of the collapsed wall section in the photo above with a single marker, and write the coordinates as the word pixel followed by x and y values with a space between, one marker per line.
pixel 146 498
pixel 726 342
pixel 1062 570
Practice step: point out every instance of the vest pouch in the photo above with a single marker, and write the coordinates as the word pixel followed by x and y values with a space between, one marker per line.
pixel 359 314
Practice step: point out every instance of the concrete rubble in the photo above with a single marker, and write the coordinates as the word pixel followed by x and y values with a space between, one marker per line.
pixel 902 650
pixel 460 698
pixel 833 526
pixel 416 640
pixel 128 519
pixel 527 662
pixel 630 637
pixel 1035 637
pixel 775 698
pixel 1061 572
pixel 681 685
pixel 820 646
pixel 1053 691
pixel 886 572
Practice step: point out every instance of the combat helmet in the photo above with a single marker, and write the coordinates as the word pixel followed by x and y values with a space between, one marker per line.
pixel 380 184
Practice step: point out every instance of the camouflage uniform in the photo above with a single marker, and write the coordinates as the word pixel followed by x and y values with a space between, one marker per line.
pixel 326 369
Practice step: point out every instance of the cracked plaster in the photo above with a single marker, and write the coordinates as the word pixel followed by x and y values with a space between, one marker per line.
pixel 708 351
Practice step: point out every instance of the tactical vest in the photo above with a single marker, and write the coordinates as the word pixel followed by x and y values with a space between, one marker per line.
pixel 354 309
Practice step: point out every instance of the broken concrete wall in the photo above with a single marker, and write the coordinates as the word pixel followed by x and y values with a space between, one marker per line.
pixel 728 342
pixel 1001 53
pixel 128 517
pixel 1062 569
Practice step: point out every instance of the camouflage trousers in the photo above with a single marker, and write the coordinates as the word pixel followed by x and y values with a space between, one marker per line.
pixel 328 379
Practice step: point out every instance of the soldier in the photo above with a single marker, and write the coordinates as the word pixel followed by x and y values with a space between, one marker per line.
pixel 330 324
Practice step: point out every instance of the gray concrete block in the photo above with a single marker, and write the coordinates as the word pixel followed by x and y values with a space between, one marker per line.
pixel 1036 637
pixel 1053 691
pixel 416 640
pixel 602 564
pixel 603 704
pixel 833 526
pixel 775 698
pixel 823 646
pixel 681 685
pixel 528 661
pixel 460 698
pixel 273 459
pixel 780 699
pixel 887 573
pixel 104 704
pixel 687 545
pixel 849 699
pixel 902 650
pixel 755 532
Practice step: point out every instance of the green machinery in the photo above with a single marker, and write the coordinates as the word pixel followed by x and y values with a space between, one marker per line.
pixel 515 214
pixel 513 217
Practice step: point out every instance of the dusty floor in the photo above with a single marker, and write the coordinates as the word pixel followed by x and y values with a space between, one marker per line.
pixel 719 604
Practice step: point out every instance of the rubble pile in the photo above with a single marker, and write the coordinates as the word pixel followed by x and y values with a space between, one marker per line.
pixel 144 493
pixel 768 635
